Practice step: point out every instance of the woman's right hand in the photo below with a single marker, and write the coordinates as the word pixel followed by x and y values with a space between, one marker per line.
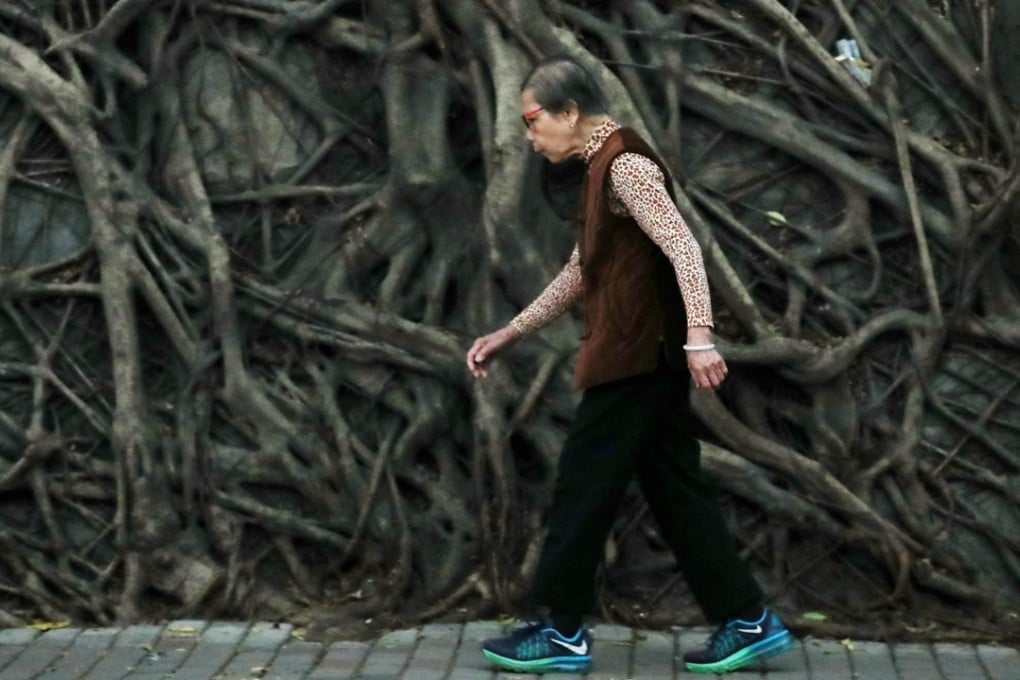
pixel 487 348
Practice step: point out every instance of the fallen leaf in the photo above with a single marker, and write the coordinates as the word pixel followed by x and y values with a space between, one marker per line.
pixel 776 219
pixel 814 616
pixel 49 625
pixel 848 643
pixel 184 630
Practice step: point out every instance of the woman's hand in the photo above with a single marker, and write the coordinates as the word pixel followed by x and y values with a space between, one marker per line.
pixel 708 368
pixel 487 348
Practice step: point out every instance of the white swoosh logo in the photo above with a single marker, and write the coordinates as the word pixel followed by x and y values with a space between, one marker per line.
pixel 576 649
pixel 756 629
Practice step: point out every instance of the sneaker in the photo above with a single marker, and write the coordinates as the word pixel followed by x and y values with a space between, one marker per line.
pixel 540 648
pixel 738 643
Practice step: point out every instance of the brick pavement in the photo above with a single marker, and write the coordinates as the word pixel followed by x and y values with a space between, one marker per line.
pixel 224 650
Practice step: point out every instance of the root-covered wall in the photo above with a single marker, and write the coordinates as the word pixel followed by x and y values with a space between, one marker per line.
pixel 244 245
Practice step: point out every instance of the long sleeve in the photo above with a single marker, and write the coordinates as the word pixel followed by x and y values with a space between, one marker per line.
pixel 640 186
pixel 561 292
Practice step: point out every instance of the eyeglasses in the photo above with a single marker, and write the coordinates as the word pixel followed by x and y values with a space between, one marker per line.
pixel 530 116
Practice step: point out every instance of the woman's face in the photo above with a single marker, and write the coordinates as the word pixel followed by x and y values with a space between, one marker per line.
pixel 551 134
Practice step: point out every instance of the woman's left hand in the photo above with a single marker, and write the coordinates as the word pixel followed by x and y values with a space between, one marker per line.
pixel 708 368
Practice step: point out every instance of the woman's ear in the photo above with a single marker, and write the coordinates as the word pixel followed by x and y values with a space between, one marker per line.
pixel 572 112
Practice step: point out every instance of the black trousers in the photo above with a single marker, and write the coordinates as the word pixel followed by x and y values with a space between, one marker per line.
pixel 639 427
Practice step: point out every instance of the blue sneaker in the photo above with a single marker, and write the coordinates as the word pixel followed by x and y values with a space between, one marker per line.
pixel 540 648
pixel 738 643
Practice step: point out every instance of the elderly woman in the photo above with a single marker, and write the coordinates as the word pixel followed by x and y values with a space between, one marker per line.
pixel 648 319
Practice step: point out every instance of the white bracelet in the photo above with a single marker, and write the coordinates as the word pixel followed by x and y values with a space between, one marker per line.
pixel 699 348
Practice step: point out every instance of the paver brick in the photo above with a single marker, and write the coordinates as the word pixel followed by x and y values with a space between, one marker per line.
pixel 434 654
pixel 612 651
pixel 477 631
pixel 689 639
pixel 827 660
pixel 216 646
pixel 958 661
pixel 43 651
pixel 116 664
pixel 171 649
pixel 225 632
pixel 161 662
pixel 247 664
pixel 1001 663
pixel 469 664
pixel 914 660
pixel 129 648
pixel 84 653
pixel 654 656
pixel 341 660
pixel 294 660
pixel 137 636
pixel 611 632
pixel 873 661
pixel 59 637
pixel 267 635
pixel 210 658
pixel 257 651
pixel 389 655
pixel 793 665
pixel 18 636
pixel 97 637
pixel 13 642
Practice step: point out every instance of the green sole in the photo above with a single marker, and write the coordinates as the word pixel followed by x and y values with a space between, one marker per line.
pixel 563 664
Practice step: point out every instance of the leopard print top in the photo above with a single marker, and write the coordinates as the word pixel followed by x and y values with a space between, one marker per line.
pixel 637 188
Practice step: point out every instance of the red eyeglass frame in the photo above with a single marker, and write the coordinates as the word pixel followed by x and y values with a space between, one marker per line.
pixel 531 115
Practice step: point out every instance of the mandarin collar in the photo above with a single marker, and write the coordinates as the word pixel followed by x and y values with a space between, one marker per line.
pixel 598 137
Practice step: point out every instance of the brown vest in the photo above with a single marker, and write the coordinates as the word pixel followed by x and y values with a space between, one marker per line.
pixel 632 302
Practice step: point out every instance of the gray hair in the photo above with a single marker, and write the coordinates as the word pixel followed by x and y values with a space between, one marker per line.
pixel 558 80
